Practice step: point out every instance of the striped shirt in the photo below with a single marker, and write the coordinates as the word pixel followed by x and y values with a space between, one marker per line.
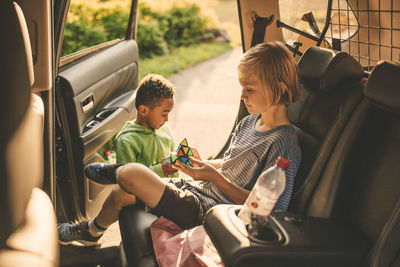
pixel 250 153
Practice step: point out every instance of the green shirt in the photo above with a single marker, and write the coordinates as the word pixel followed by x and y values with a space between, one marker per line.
pixel 136 143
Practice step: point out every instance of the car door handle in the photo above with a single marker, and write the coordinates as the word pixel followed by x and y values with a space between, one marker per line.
pixel 87 103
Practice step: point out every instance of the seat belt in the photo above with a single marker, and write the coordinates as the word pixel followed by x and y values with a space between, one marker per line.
pixel 260 25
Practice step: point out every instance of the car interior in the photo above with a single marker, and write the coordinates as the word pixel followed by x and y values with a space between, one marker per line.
pixel 345 208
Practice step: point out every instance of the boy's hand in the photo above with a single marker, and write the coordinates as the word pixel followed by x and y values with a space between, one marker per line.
pixel 167 168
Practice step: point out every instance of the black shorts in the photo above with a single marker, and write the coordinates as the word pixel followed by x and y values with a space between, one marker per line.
pixel 180 206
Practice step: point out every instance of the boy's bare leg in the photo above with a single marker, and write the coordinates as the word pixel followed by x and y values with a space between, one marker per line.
pixel 142 182
pixel 111 208
pixel 133 178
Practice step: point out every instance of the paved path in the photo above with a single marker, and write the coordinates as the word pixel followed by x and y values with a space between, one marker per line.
pixel 207 100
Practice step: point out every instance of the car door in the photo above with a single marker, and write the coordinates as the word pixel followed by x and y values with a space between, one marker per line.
pixel 94 93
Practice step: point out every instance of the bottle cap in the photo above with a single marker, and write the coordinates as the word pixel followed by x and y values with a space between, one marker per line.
pixel 283 163
pixel 107 153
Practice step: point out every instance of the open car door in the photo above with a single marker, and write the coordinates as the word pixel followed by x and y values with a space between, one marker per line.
pixel 94 98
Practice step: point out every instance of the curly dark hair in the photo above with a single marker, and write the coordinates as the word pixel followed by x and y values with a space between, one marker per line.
pixel 153 88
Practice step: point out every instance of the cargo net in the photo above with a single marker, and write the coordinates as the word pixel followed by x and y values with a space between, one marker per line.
pixel 368 30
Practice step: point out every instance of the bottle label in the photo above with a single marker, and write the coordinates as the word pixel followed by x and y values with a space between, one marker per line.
pixel 260 204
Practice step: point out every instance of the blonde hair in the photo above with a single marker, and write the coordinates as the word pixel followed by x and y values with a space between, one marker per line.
pixel 273 64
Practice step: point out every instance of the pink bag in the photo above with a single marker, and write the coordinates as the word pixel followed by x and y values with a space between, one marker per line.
pixel 176 247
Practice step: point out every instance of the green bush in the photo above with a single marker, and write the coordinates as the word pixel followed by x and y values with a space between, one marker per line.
pixel 150 39
pixel 157 32
pixel 115 22
pixel 79 35
pixel 183 26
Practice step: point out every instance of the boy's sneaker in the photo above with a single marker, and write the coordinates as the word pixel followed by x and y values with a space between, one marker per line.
pixel 69 233
pixel 102 173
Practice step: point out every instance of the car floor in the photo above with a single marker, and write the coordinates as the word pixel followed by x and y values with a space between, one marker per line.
pixel 109 253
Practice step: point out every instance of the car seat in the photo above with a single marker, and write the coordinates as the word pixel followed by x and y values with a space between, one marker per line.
pixel 361 182
pixel 331 88
pixel 28 235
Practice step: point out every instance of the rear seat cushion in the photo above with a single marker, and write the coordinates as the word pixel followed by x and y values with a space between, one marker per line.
pixel 35 242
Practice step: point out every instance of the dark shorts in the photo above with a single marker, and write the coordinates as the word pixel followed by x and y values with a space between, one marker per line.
pixel 180 206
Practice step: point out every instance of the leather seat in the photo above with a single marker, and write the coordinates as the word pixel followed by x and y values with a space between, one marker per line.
pixel 134 224
pixel 331 88
pixel 28 233
pixel 361 185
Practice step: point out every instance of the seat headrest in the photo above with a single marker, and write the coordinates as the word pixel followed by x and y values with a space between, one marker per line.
pixel 17 77
pixel 325 69
pixel 383 87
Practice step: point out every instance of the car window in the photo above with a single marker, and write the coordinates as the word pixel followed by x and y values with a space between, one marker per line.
pixel 300 14
pixel 91 23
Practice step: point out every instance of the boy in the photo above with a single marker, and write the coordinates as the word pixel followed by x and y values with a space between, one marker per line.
pixel 147 141
pixel 269 77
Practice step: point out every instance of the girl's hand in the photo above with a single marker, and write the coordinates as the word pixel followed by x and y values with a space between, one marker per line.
pixel 207 172
pixel 201 170
pixel 196 155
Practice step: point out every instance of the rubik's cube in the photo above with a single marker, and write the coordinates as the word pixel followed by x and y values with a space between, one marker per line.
pixel 182 153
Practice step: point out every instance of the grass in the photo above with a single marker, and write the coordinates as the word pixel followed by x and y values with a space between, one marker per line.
pixel 181 58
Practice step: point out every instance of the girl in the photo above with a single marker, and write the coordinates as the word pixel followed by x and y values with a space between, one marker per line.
pixel 269 77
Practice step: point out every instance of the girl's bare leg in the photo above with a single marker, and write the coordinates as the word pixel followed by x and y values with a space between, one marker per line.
pixel 111 208
pixel 142 182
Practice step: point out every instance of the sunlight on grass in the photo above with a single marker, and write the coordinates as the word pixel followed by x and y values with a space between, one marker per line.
pixel 181 58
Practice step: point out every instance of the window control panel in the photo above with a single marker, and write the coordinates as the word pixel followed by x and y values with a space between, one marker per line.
pixel 99 117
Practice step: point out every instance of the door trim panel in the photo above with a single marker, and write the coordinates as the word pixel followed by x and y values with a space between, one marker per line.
pixel 107 81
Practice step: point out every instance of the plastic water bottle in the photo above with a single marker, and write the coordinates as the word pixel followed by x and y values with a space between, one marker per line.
pixel 266 192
